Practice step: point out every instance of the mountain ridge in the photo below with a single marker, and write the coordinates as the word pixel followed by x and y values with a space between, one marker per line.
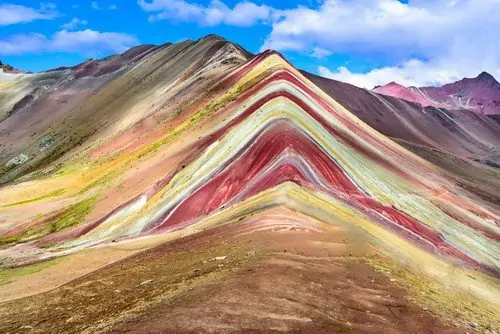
pixel 199 180
pixel 481 94
pixel 483 130
pixel 6 68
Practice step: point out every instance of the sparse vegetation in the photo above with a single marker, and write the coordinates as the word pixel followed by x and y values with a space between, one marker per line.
pixel 6 275
pixel 74 215
pixel 456 305
pixel 39 198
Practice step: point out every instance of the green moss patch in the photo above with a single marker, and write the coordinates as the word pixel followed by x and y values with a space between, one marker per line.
pixel 74 215
pixel 7 275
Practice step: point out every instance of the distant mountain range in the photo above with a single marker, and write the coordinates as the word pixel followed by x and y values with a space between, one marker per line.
pixel 9 69
pixel 481 94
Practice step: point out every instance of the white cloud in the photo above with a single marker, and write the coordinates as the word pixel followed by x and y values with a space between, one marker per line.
pixel 244 13
pixel 91 40
pixel 48 5
pixel 12 14
pixel 22 43
pixel 75 22
pixel 364 26
pixel 319 53
pixel 411 73
pixel 427 41
pixel 95 5
pixel 88 42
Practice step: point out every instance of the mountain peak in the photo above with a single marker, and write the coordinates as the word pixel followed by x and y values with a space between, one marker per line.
pixel 213 37
pixel 399 91
pixel 485 77
pixel 394 84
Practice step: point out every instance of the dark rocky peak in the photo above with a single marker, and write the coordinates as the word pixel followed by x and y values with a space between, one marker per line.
pixel 485 77
pixel 485 81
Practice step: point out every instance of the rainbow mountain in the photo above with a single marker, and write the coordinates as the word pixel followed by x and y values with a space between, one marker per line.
pixel 242 179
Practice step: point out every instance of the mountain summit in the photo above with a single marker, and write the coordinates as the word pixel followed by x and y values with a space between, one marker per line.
pixel 486 77
pixel 406 93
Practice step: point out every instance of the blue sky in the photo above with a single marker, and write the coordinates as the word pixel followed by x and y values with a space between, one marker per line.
pixel 365 42
pixel 130 19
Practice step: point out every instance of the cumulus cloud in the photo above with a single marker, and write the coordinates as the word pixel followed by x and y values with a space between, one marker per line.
pixel 429 42
pixel 413 72
pixel 88 42
pixel 244 13
pixel 13 14
pixel 75 22
pixel 388 27
pixel 436 71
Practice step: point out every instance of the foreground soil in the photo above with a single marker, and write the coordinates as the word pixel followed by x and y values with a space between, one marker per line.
pixel 237 278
